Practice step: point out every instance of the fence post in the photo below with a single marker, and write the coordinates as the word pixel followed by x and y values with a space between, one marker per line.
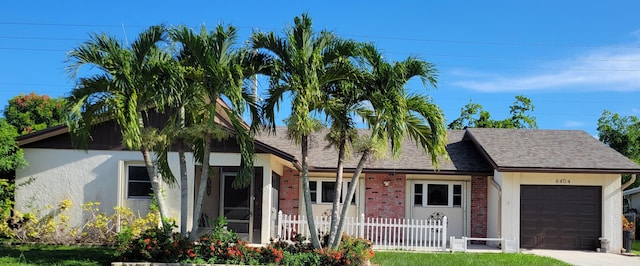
pixel 361 225
pixel 444 233
pixel 279 228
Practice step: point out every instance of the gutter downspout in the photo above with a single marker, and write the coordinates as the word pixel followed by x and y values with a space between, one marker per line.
pixel 631 181
pixel 497 186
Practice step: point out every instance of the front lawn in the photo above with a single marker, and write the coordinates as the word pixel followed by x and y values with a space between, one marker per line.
pixel 82 255
pixel 635 247
pixel 406 258
pixel 55 255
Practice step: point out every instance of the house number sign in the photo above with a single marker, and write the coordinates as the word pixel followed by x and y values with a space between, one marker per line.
pixel 563 181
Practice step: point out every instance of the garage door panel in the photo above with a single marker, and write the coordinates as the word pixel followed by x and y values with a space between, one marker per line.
pixel 560 217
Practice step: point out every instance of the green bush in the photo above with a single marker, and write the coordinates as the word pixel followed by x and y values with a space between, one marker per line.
pixel 301 259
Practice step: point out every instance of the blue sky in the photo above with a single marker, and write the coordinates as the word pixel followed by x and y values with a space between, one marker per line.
pixel 574 59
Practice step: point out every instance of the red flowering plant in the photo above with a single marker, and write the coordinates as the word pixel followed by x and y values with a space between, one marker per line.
pixel 351 251
pixel 155 244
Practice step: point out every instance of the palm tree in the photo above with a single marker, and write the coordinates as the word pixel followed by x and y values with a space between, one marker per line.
pixel 303 62
pixel 393 115
pixel 125 89
pixel 184 88
pixel 224 71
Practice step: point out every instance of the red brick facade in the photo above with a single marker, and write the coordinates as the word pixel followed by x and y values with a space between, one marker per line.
pixel 289 191
pixel 388 201
pixel 384 201
pixel 479 206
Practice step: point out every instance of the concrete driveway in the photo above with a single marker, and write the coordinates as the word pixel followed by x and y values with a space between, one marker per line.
pixel 586 258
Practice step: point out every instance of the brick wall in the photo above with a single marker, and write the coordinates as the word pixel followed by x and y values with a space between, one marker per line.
pixel 479 206
pixel 385 201
pixel 289 191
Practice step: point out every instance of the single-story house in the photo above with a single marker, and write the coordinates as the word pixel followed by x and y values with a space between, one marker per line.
pixel 554 189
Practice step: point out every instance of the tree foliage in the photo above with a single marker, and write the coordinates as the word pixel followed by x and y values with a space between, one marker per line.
pixel 473 115
pixel 128 81
pixel 303 62
pixel 32 112
pixel 621 133
pixel 11 156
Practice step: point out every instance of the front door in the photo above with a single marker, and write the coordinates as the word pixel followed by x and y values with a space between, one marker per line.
pixel 237 207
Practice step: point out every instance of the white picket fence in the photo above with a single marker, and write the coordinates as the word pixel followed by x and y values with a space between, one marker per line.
pixel 384 233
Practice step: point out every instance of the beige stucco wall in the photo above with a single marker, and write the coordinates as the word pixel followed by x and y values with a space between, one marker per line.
pixel 493 210
pixel 611 200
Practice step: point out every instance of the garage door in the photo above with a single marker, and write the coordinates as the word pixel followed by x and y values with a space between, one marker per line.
pixel 560 217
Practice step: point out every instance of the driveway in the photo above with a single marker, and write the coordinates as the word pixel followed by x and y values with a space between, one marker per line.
pixel 586 258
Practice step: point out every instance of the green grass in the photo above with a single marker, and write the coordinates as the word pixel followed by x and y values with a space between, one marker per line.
pixel 635 247
pixel 406 258
pixel 55 255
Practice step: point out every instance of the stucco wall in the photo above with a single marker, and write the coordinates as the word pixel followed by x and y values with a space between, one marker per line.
pixel 98 176
pixel 79 176
pixel 611 200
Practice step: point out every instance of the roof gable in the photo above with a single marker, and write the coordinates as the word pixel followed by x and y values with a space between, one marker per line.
pixel 548 150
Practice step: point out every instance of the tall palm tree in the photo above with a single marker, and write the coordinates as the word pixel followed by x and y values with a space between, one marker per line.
pixel 394 114
pixel 125 89
pixel 303 62
pixel 225 69
pixel 184 88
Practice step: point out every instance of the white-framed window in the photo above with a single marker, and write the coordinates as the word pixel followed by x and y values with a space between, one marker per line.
pixel 138 183
pixel 323 191
pixel 437 194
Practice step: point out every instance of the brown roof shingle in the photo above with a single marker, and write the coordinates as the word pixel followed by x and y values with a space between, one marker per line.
pixel 548 150
pixel 464 158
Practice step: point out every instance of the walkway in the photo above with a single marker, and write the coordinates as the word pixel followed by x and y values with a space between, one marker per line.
pixel 586 258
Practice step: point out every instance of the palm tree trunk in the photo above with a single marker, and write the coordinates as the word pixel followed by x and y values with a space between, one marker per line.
pixel 154 178
pixel 203 184
pixel 337 195
pixel 184 189
pixel 350 193
pixel 184 182
pixel 315 241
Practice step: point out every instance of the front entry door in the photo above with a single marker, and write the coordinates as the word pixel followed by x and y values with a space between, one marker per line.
pixel 237 207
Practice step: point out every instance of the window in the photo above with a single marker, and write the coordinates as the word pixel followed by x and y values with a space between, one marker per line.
pixel 457 195
pixel 433 194
pixel 417 195
pixel 313 186
pixel 138 184
pixel 437 195
pixel 324 191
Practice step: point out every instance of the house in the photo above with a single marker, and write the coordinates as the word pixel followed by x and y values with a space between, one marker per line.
pixel 553 189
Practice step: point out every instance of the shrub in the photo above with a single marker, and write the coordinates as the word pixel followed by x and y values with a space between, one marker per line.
pixel 351 251
pixel 154 245
pixel 302 258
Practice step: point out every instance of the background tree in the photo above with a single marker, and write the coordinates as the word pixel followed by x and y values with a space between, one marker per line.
pixel 622 133
pixel 11 156
pixel 474 116
pixel 32 112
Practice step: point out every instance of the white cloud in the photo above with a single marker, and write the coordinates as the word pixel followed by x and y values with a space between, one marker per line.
pixel 573 124
pixel 603 69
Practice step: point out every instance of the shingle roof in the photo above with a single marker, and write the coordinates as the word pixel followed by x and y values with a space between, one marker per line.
pixel 464 156
pixel 558 150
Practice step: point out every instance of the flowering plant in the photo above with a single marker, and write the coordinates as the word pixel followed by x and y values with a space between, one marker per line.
pixel 627 225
